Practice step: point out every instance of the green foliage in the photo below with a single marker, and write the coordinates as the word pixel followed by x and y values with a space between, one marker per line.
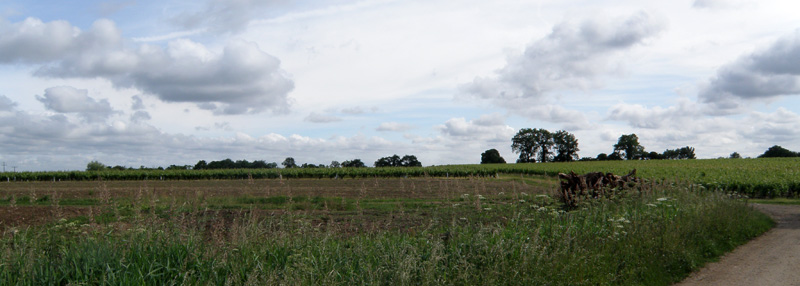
pixel 396 161
pixel 677 154
pixel 289 163
pixel 532 144
pixel 777 152
pixel 629 145
pixel 355 163
pixel 492 156
pixel 566 146
pixel 95 166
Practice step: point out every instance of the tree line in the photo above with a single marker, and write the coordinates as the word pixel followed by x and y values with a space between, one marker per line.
pixel 288 163
pixel 540 145
pixel 532 145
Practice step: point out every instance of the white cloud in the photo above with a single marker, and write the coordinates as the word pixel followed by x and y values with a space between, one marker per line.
pixel 240 79
pixel 321 118
pixel 572 56
pixel 32 41
pixel 762 75
pixel 394 127
pixel 490 127
pixel 67 99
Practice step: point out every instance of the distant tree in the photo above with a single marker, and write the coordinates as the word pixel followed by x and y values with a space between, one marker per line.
pixel 289 163
pixel 200 165
pixel 118 168
pixel 391 161
pixel 396 161
pixel 336 164
pixel 532 144
pixel 176 167
pixel 778 151
pixel 602 157
pixel 566 146
pixel 654 156
pixel 614 157
pixel 686 153
pixel 735 155
pixel 272 165
pixel 492 156
pixel 95 166
pixel 355 163
pixel 410 161
pixel 670 154
pixel 629 145
pixel 309 166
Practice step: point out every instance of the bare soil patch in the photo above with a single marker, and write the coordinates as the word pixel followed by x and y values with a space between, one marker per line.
pixel 771 259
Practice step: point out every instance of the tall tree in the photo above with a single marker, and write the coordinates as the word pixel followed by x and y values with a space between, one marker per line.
pixel 532 144
pixel 735 155
pixel 629 145
pixel 289 163
pixel 492 156
pixel 566 146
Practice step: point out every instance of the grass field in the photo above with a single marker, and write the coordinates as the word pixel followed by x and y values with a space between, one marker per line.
pixel 758 178
pixel 505 229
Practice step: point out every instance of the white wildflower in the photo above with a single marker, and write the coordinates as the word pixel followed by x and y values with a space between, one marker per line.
pixel 662 199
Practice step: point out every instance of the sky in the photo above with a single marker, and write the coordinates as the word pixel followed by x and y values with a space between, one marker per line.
pixel 155 83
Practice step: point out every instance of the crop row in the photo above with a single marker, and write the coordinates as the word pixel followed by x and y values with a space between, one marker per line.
pixel 768 177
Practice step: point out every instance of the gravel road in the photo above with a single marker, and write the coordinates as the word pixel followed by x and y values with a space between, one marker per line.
pixel 771 259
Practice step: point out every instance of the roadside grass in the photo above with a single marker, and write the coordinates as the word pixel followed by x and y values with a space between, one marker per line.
pixel 653 236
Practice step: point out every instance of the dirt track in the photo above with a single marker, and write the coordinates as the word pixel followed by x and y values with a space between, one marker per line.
pixel 771 259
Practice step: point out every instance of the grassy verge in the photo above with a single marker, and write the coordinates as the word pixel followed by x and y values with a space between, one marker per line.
pixel 652 237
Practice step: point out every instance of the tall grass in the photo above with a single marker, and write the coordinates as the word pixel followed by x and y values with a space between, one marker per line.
pixel 652 237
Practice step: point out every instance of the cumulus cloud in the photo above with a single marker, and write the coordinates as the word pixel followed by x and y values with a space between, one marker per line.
pixel 762 75
pixel 394 127
pixel 137 104
pixel 490 127
pixel 140 116
pixel 67 99
pixel 321 118
pixel 240 79
pixel 32 41
pixel 656 117
pixel 57 142
pixel 6 104
pixel 572 56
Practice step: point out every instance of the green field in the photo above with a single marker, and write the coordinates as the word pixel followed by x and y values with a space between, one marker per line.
pixel 760 178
